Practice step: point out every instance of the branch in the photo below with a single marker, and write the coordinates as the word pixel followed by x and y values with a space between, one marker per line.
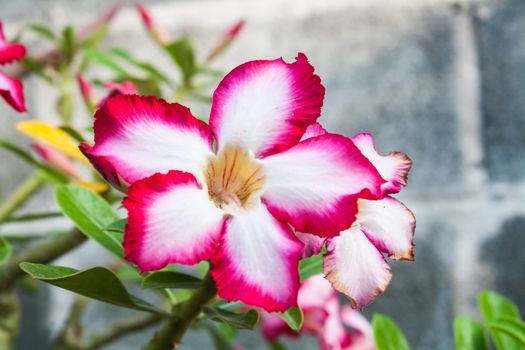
pixel 42 252
pixel 20 195
pixel 121 329
pixel 170 335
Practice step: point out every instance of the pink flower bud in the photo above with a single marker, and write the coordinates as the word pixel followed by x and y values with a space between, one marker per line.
pixel 151 25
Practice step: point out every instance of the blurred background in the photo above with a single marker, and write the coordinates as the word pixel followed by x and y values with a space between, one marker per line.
pixel 442 81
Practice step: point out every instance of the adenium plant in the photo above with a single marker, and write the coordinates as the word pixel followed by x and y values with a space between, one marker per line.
pixel 258 197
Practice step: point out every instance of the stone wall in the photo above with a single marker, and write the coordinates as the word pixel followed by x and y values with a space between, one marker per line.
pixel 442 81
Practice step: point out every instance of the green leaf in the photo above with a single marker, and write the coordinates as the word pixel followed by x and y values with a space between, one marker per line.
pixel 511 330
pixel 43 31
pixel 97 283
pixel 181 51
pixel 152 71
pixel 469 334
pixel 275 345
pixel 293 317
pixel 91 214
pixel 5 250
pixel 117 226
pixel 246 320
pixel 311 266
pixel 387 335
pixel 105 60
pixel 147 87
pixel 170 279
pixel 52 174
pixel 494 306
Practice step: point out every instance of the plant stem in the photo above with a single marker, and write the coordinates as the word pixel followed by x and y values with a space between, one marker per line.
pixel 20 195
pixel 170 335
pixel 42 253
pixel 9 318
pixel 121 328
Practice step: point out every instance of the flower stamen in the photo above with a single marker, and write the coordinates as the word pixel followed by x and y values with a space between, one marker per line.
pixel 234 178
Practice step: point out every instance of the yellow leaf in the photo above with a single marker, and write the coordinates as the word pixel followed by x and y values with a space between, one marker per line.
pixel 53 136
pixel 98 187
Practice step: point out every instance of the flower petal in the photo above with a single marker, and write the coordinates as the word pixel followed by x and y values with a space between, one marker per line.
pixel 313 130
pixel 272 327
pixel 103 166
pixel 10 52
pixel 389 225
pixel 142 135
pixel 355 267
pixel 257 262
pixel 313 244
pixel 170 220
pixel 266 106
pixel 393 167
pixel 314 185
pixel 12 91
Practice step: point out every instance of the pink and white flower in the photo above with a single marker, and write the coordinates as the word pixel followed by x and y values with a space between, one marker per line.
pixel 11 89
pixel 354 260
pixel 234 203
pixel 336 326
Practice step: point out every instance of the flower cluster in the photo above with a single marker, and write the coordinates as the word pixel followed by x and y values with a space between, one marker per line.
pixel 11 89
pixel 336 326
pixel 255 190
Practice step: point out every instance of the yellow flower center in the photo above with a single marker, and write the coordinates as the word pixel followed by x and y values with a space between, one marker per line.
pixel 234 178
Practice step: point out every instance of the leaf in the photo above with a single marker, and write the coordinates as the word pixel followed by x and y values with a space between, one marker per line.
pixel 246 320
pixel 52 136
pixel 182 53
pixel 43 31
pixel 91 214
pixel 511 330
pixel 170 279
pixel 105 60
pixel 145 66
pixel 5 250
pixel 117 226
pixel 293 318
pixel 387 335
pixel 494 306
pixel 52 174
pixel 311 266
pixel 147 87
pixel 469 334
pixel 97 283
pixel 275 345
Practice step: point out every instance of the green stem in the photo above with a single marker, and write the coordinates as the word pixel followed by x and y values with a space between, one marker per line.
pixel 121 329
pixel 170 335
pixel 9 318
pixel 42 253
pixel 20 195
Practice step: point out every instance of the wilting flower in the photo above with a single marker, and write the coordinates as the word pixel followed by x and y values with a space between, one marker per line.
pixel 236 203
pixel 11 89
pixel 354 262
pixel 336 326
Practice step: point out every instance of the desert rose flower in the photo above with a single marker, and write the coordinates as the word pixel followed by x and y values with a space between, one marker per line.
pixel 11 89
pixel 336 326
pixel 232 191
pixel 354 261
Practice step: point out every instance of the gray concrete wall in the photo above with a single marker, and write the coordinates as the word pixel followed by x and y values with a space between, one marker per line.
pixel 443 82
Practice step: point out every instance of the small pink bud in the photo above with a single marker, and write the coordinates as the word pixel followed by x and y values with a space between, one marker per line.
pixel 226 40
pixel 151 25
pixel 57 159
pixel 87 91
